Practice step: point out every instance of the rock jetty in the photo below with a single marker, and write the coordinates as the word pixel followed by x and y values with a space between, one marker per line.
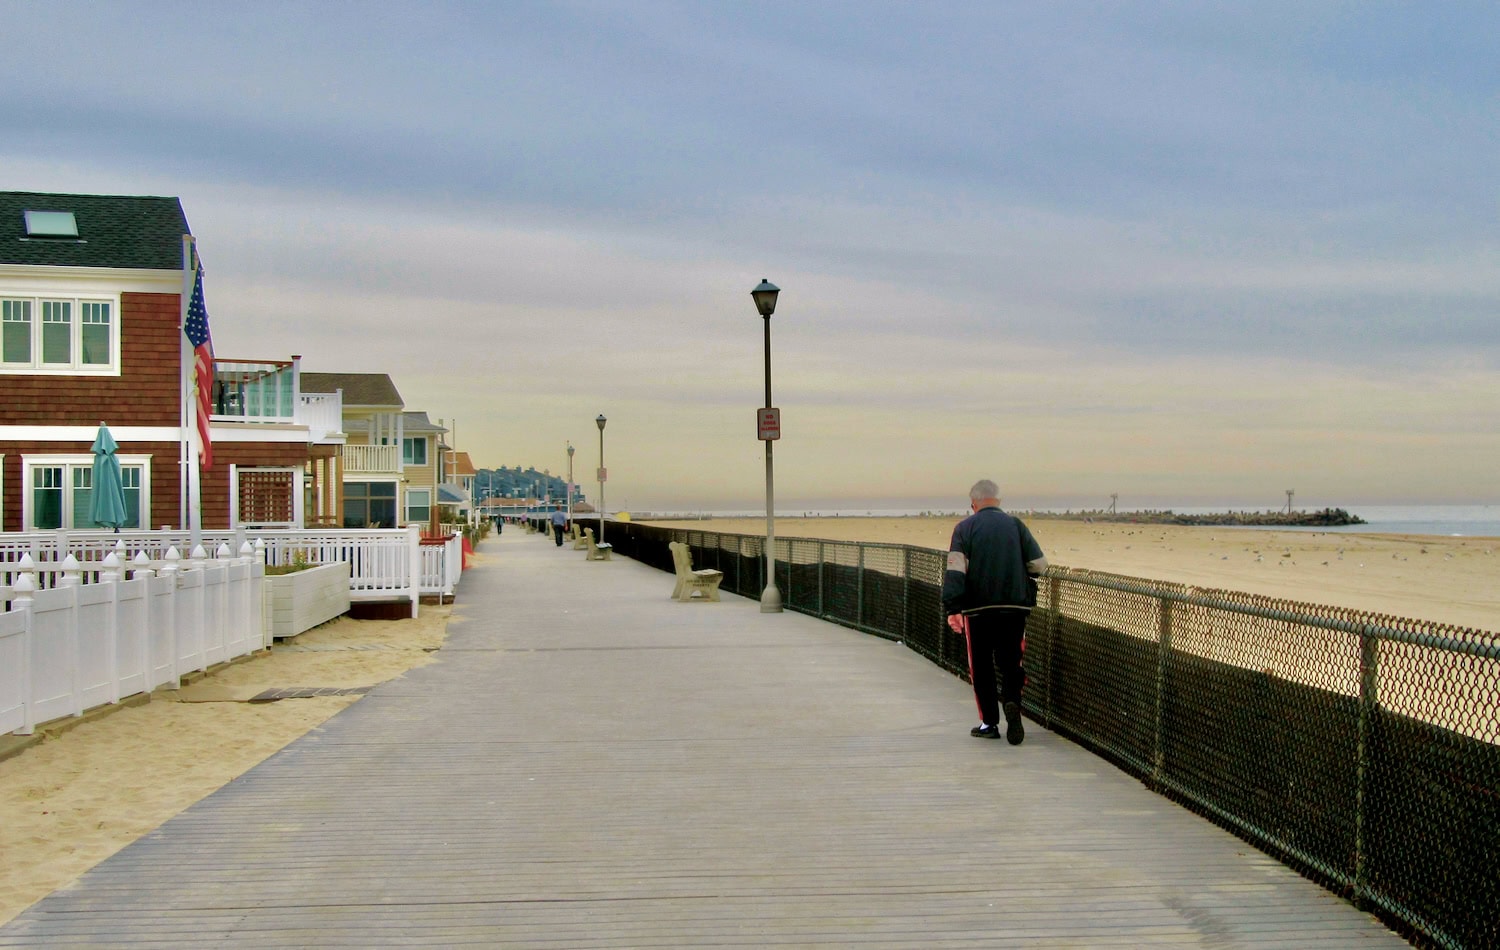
pixel 1321 518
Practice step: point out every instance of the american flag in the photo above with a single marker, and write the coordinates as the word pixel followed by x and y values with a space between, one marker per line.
pixel 196 329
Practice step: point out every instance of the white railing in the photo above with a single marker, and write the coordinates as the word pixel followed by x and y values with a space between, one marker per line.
pixel 442 565
pixel 384 563
pixel 372 459
pixel 322 413
pixel 73 646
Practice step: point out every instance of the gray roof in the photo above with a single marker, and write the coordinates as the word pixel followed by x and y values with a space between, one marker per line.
pixel 418 422
pixel 113 231
pixel 360 389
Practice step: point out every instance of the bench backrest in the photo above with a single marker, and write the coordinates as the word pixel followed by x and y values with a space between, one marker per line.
pixel 682 557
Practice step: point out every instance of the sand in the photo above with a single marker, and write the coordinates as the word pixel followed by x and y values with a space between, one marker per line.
pixel 1454 581
pixel 75 799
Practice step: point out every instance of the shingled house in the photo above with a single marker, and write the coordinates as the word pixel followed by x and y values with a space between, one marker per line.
pixel 391 466
pixel 91 310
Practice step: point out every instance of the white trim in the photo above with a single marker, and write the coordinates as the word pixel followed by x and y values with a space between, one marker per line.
pixel 49 278
pixel 299 496
pixel 259 432
pixel 122 434
pixel 72 460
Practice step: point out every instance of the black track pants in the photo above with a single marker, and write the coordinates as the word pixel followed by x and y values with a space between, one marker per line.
pixel 997 642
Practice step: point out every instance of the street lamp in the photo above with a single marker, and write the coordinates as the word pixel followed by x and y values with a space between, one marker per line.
pixel 570 488
pixel 769 427
pixel 603 475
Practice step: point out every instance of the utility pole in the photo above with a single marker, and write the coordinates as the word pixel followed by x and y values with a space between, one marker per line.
pixel 1289 494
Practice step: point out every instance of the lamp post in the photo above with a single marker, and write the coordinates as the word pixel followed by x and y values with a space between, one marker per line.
pixel 570 485
pixel 769 427
pixel 603 475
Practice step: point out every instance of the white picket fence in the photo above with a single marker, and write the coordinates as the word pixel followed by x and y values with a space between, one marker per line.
pixel 90 617
pixel 384 563
pixel 70 646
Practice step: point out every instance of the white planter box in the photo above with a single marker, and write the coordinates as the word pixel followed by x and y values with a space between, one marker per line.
pixel 302 600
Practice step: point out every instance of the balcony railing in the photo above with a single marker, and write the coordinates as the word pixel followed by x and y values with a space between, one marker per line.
pixel 372 459
pixel 322 413
pixel 255 390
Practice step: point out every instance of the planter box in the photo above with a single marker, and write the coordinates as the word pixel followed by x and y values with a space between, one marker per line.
pixel 302 600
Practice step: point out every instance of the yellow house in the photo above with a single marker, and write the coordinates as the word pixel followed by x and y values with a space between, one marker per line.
pixel 391 461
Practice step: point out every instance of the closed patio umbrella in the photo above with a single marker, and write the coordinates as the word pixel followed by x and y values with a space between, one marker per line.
pixel 107 504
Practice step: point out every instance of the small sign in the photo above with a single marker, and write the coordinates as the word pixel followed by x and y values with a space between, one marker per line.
pixel 768 422
pixel 603 475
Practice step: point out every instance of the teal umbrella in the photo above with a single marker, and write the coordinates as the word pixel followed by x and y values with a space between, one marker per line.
pixel 107 504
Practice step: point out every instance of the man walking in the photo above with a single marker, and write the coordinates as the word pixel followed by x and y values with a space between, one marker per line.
pixel 559 521
pixel 987 595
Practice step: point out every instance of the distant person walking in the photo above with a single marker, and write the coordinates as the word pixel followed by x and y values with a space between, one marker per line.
pixel 987 594
pixel 559 522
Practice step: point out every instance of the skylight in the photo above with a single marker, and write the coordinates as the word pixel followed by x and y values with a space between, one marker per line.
pixel 51 224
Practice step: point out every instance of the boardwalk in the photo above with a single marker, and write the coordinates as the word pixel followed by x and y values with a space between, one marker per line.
pixel 593 765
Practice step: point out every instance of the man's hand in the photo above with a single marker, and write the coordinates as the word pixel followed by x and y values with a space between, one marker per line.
pixel 958 623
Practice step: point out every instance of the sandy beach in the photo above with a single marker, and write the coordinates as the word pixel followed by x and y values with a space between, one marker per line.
pixel 1446 580
pixel 75 799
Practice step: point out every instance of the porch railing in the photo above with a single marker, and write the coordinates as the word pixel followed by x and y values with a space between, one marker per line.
pixel 372 459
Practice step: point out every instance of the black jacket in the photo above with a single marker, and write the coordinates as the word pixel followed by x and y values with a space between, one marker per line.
pixel 987 564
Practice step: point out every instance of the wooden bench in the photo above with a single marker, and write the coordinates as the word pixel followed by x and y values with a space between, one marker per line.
pixel 597 552
pixel 579 541
pixel 689 580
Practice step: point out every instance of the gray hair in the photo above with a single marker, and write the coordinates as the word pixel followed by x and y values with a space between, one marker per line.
pixel 984 488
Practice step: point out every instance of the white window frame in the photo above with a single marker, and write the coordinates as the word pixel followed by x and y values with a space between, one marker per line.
pixel 68 463
pixel 406 505
pixel 75 366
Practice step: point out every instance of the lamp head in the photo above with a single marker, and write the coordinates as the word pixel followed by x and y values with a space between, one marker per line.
pixel 765 297
pixel 600 421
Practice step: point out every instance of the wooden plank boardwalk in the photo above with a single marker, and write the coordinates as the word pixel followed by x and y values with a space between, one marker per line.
pixel 591 764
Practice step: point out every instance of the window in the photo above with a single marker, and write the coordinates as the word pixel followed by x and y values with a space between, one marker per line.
pixel 58 335
pixel 61 491
pixel 369 504
pixel 419 505
pixel 414 450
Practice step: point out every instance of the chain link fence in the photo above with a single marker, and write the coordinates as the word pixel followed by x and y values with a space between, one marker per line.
pixel 1362 750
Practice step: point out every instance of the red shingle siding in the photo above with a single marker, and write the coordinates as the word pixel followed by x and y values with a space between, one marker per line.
pixel 215 481
pixel 165 502
pixel 146 393
pixel 164 506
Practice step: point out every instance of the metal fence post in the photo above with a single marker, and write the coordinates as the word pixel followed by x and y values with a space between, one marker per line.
pixel 1369 680
pixel 859 589
pixel 1164 649
pixel 822 565
pixel 1054 638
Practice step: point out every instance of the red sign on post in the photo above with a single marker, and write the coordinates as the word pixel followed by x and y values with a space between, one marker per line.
pixel 768 422
pixel 603 475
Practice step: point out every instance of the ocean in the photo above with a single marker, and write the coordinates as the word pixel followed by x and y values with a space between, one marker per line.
pixel 1466 521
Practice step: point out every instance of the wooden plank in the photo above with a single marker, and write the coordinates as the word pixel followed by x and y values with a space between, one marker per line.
pixel 588 765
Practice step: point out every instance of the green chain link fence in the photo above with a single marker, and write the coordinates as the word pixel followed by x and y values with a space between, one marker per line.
pixel 1360 749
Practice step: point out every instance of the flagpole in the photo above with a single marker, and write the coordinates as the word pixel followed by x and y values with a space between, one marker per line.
pixel 184 385
pixel 195 446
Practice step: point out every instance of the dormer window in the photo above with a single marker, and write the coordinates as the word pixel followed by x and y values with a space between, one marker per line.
pixel 51 224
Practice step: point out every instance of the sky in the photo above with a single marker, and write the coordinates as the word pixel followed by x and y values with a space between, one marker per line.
pixel 1185 253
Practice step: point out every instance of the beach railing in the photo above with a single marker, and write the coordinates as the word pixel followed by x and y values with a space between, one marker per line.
pixel 385 564
pixel 70 647
pixel 1361 749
